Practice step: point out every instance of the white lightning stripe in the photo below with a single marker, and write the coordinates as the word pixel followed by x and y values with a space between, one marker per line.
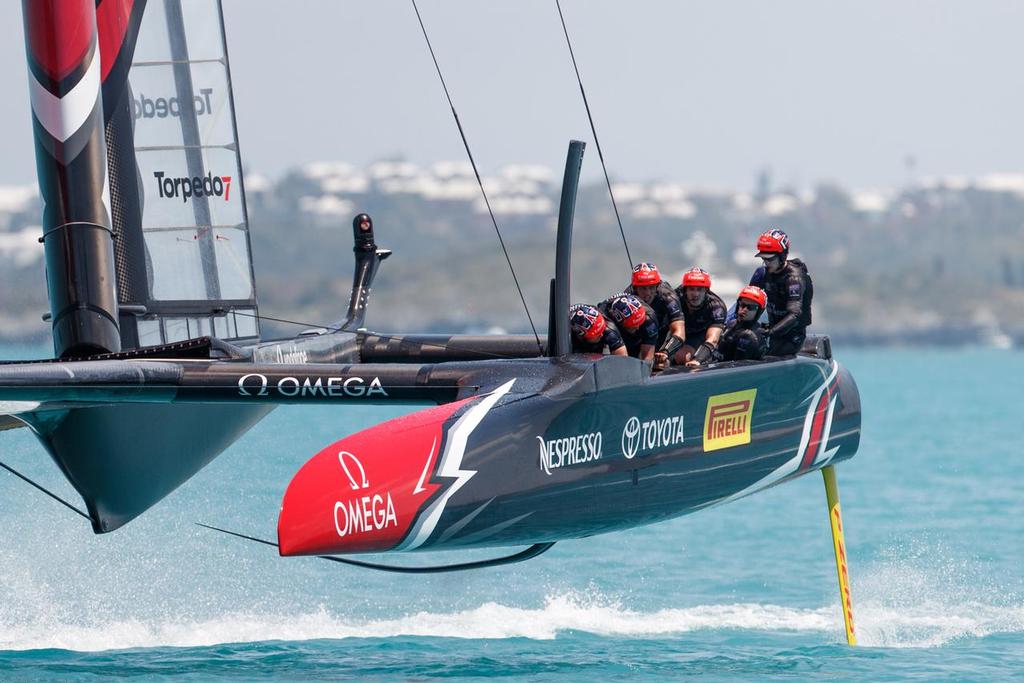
pixel 15 407
pixel 423 475
pixel 451 466
pixel 62 116
pixel 829 454
pixel 791 465
pixel 809 420
pixel 822 455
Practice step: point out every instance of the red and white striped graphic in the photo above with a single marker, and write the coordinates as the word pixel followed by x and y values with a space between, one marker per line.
pixel 813 448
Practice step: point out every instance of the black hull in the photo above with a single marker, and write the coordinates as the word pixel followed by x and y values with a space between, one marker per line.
pixel 543 464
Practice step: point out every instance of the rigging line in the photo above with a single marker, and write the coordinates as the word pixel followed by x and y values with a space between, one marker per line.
pixel 487 202
pixel 57 498
pixel 593 129
pixel 389 337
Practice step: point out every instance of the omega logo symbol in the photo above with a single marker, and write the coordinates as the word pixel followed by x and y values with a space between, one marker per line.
pixel 631 437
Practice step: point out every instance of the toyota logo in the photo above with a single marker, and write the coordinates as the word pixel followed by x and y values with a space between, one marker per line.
pixel 631 437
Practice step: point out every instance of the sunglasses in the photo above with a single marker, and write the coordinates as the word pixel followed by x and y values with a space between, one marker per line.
pixel 745 304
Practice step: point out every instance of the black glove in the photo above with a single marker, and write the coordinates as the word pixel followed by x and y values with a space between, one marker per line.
pixel 671 345
pixel 704 353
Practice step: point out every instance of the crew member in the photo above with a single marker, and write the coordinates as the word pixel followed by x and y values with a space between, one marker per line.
pixel 592 333
pixel 704 313
pixel 648 286
pixel 789 289
pixel 743 338
pixel 636 321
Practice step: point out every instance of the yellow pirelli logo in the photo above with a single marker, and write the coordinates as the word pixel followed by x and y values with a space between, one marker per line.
pixel 727 421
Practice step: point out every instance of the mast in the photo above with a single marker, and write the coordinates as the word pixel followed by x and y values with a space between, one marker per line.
pixel 63 53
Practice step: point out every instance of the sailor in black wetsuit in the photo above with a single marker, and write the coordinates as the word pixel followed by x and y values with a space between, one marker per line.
pixel 743 338
pixel 592 333
pixel 704 312
pixel 648 286
pixel 636 321
pixel 789 290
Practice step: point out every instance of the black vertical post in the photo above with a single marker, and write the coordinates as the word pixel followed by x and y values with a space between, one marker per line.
pixel 368 258
pixel 559 343
pixel 63 54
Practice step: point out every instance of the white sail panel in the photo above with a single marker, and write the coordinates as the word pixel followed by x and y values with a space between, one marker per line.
pixel 194 226
pixel 183 269
pixel 202 34
pixel 157 108
pixel 233 263
pixel 181 191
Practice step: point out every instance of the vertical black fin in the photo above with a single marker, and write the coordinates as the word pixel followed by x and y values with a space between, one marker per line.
pixel 559 343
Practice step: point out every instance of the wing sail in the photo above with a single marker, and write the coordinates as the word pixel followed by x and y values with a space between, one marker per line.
pixel 184 264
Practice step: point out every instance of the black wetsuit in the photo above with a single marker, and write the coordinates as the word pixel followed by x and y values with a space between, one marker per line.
pixel 789 291
pixel 710 314
pixel 647 333
pixel 666 306
pixel 742 341
pixel 610 338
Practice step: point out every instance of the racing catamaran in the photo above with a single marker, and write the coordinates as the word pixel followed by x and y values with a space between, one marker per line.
pixel 159 365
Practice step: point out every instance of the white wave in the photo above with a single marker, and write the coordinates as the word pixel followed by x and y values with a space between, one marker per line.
pixel 927 625
pixel 913 597
pixel 933 624
pixel 488 621
pixel 916 597
pixel 921 594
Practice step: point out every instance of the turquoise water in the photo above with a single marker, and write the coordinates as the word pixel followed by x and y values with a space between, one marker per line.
pixel 932 503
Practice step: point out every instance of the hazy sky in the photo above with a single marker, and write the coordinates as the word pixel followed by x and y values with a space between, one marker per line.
pixel 706 93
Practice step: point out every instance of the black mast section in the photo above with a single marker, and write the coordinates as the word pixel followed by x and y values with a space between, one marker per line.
pixel 63 52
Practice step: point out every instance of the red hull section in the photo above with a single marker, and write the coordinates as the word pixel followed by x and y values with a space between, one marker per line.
pixel 363 493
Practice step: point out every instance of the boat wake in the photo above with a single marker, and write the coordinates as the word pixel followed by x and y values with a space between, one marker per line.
pixel 879 625
pixel 922 594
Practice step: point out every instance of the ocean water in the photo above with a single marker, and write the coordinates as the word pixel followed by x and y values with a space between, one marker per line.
pixel 933 506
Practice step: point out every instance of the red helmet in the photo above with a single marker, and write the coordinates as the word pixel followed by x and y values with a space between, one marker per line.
pixel 696 277
pixel 628 311
pixel 755 294
pixel 645 274
pixel 772 241
pixel 586 321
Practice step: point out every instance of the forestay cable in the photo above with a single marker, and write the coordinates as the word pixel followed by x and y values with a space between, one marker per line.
pixel 51 494
pixel 597 143
pixel 487 202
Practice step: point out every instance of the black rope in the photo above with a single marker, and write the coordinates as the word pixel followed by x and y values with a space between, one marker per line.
pixel 593 130
pixel 480 182
pixel 57 498
pixel 531 552
pixel 389 337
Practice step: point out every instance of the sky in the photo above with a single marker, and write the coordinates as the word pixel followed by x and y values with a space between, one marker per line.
pixel 868 93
